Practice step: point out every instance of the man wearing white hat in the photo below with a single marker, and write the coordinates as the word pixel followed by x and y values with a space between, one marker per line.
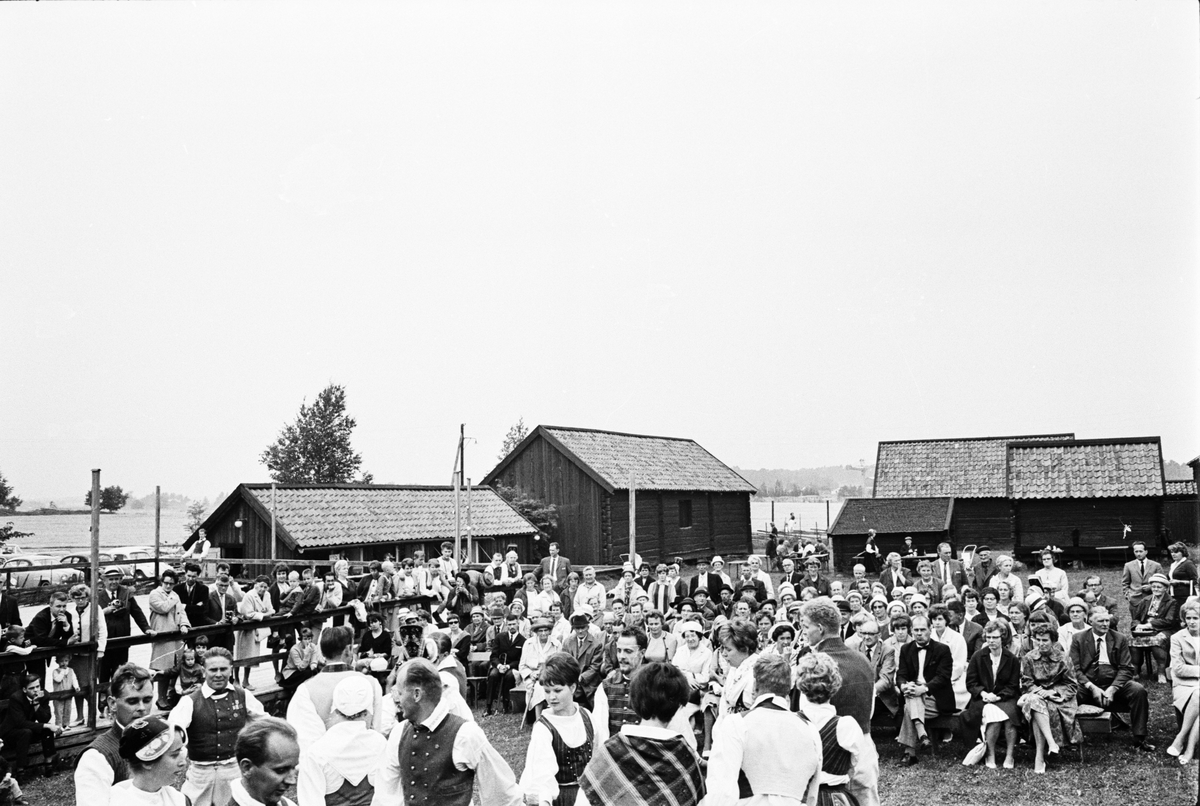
pixel 339 768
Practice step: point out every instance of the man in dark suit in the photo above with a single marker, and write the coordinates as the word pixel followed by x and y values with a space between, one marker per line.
pixel 1104 670
pixel 971 632
pixel 947 569
pixel 983 568
pixel 791 576
pixel 502 667
pixel 10 611
pixel 707 579
pixel 821 624
pixel 556 565
pixel 24 722
pixel 923 677
pixel 194 595
pixel 222 609
pixel 587 650
pixel 118 606
pixel 51 627
pixel 747 583
pixel 893 575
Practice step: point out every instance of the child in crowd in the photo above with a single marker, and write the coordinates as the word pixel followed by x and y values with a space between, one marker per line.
pixel 189 670
pixel 14 640
pixel 63 678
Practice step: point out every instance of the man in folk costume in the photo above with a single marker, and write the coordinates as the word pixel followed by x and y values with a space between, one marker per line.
pixel 767 750
pixel 268 757
pixel 433 757
pixel 312 703
pixel 648 761
pixel 213 715
pixel 131 697
pixel 612 696
pixel 339 768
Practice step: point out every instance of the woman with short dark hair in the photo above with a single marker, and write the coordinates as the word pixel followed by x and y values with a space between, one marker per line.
pixel 738 645
pixel 1049 701
pixel 1182 575
pixel 994 681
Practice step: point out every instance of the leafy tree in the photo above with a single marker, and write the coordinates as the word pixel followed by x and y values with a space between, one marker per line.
pixel 850 491
pixel 8 499
pixel 111 498
pixel 513 438
pixel 196 512
pixel 9 532
pixel 542 515
pixel 316 448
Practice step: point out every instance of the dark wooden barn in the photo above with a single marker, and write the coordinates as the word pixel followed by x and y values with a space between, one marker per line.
pixel 357 522
pixel 926 520
pixel 689 503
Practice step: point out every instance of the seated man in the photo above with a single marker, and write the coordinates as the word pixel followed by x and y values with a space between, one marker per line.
pixel 889 659
pixel 502 671
pixel 1104 671
pixel 923 677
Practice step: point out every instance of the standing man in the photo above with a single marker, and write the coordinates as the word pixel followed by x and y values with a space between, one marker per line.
pixel 130 697
pixel 612 696
pixel 52 627
pixel 10 610
pixel 983 569
pixel 194 595
pixel 339 768
pixel 948 570
pixel 591 592
pixel 213 715
pixel 222 609
pixel 556 566
pixel 704 579
pixel 1103 663
pixel 923 677
pixel 199 549
pixel 312 703
pixel 434 757
pixel 118 605
pixel 267 757
pixel 587 650
pixel 1135 577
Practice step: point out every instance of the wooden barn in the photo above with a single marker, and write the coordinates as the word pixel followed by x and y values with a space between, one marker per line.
pixel 357 522
pixel 926 520
pixel 1181 509
pixel 1025 492
pixel 688 502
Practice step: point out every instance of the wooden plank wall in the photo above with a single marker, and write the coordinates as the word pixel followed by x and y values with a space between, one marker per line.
pixel 981 522
pixel 720 524
pixel 1182 517
pixel 544 472
pixel 1044 522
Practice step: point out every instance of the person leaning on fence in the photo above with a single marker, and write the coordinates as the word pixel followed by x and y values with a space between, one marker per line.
pixel 52 627
pixel 167 615
pixel 118 606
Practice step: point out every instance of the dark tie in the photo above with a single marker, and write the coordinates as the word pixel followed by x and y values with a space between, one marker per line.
pixel 1142 565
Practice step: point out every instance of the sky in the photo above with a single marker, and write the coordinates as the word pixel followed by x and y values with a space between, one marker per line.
pixel 785 230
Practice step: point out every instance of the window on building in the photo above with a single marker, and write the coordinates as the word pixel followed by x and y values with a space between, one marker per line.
pixel 685 514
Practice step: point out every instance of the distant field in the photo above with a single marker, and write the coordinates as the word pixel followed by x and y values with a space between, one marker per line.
pixel 55 534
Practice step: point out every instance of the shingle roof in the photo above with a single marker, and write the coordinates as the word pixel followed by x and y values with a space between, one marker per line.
pixel 657 463
pixel 963 468
pixel 1086 469
pixel 1186 487
pixel 348 515
pixel 890 515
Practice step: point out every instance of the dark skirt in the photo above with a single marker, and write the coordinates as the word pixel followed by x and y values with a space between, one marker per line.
pixel 835 795
pixel 972 717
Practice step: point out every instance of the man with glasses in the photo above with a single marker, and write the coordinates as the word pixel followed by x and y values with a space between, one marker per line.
pixel 130 697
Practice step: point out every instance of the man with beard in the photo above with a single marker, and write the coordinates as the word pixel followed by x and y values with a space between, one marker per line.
pixel 612 696
pixel 130 697
pixel 453 753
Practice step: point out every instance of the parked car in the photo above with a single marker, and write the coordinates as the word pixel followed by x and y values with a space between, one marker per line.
pixel 84 563
pixel 139 559
pixel 19 578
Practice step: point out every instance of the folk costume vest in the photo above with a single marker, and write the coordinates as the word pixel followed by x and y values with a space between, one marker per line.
pixel 571 760
pixel 745 789
pixel 108 744
pixel 427 771
pixel 349 794
pixel 215 724
pixel 616 687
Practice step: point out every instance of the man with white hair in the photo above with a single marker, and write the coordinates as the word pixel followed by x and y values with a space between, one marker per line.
pixel 340 767
pixel 590 592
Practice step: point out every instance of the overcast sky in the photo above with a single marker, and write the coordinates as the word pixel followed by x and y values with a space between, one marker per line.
pixel 786 230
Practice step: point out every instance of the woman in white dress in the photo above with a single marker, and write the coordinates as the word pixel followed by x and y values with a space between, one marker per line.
pixel 533 659
pixel 1054 580
pixel 157 756
pixel 254 607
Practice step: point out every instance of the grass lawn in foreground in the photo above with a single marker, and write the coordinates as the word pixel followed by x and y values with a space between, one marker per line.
pixel 1109 774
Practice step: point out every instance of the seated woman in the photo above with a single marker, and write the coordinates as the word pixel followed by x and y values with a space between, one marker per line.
pixel 1077 611
pixel 1018 617
pixel 818 679
pixel 1154 619
pixel 1004 573
pixel 1053 579
pixel 156 754
pixel 990 599
pixel 939 622
pixel 994 681
pixel 1005 591
pixel 926 584
pixel 1185 682
pixel 648 757
pixel 1049 687
pixel 781 640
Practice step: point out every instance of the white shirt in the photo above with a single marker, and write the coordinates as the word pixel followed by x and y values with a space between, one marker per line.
pixel 849 734
pixel 592 595
pixel 347 752
pixel 129 795
pixel 93 778
pixel 451 694
pixel 471 751
pixel 541 765
pixel 242 797
pixel 181 714
pixel 790 755
pixel 679 723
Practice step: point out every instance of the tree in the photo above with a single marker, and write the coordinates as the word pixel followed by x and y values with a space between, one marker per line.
pixel 850 491
pixel 9 532
pixel 542 515
pixel 513 438
pixel 316 448
pixel 111 498
pixel 8 499
pixel 195 515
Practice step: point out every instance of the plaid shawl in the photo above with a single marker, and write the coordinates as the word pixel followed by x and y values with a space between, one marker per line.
pixel 637 770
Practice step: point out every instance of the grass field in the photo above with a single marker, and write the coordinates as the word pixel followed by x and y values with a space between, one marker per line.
pixel 1110 772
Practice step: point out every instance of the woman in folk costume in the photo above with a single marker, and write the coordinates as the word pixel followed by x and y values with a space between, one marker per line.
pixel 818 679
pixel 564 738
pixel 254 607
pixel 534 654
pixel 647 764
pixel 738 642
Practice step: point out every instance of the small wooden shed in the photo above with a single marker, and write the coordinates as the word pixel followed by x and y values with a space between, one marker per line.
pixel 688 502
pixel 357 522
pixel 926 520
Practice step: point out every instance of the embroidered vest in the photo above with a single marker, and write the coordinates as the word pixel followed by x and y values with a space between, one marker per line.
pixel 108 744
pixel 215 724
pixel 619 712
pixel 835 759
pixel 427 771
pixel 571 760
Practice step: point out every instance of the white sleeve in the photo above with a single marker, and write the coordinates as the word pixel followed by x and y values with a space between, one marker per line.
pixel 600 700
pixel 472 751
pixel 725 763
pixel 181 714
pixel 388 791
pixel 253 706
pixel 310 783
pixel 541 766
pixel 304 718
pixel 93 779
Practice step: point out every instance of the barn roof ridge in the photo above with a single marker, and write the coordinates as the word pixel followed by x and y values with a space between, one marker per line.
pixel 1015 437
pixel 1052 443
